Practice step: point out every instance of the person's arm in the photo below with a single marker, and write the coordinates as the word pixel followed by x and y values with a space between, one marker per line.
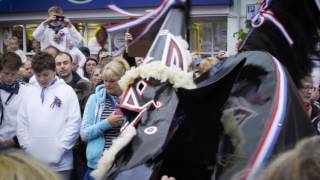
pixel 82 59
pixel 89 129
pixel 71 133
pixel 23 126
pixel 74 34
pixel 38 33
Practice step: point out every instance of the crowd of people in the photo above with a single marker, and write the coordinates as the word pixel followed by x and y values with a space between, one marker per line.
pixel 60 105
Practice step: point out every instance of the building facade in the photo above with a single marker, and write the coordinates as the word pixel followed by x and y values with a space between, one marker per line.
pixel 212 27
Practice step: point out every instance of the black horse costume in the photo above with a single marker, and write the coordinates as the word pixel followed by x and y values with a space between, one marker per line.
pixel 228 123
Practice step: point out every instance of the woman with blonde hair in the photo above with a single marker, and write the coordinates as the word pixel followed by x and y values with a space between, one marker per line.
pixel 15 165
pixel 301 163
pixel 101 119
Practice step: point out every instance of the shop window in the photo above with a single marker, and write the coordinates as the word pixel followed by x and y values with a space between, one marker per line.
pixel 8 32
pixel 208 37
pixel 31 44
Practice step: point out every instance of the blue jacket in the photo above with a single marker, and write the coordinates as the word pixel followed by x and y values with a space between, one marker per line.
pixel 92 128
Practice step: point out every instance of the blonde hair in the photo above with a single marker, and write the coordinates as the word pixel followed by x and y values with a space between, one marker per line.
pixel 115 69
pixel 301 163
pixel 55 9
pixel 207 63
pixel 15 165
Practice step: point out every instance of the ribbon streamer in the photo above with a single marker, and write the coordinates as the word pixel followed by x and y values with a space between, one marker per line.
pixel 265 14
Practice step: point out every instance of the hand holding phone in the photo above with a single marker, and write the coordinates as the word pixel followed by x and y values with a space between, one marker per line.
pixel 60 18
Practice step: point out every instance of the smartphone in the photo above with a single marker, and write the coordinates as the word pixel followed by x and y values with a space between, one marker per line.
pixel 60 18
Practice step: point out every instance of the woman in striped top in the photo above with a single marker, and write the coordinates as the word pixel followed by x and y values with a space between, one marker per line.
pixel 101 120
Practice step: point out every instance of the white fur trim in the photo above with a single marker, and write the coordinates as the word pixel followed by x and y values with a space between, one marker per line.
pixel 105 163
pixel 156 70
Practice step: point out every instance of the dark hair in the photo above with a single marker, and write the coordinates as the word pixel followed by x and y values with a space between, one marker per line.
pixel 101 29
pixel 53 47
pixel 43 61
pixel 11 61
pixel 65 53
pixel 85 73
pixel 100 51
pixel 85 51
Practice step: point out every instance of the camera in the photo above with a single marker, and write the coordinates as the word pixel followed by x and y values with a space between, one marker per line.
pixel 60 18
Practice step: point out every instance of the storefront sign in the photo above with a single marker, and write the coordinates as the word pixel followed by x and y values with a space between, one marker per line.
pixel 14 6
pixel 252 10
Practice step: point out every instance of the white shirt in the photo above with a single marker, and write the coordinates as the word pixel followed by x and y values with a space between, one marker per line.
pixel 10 110
pixel 21 54
pixel 48 131
pixel 46 37
pixel 79 56
pixel 94 46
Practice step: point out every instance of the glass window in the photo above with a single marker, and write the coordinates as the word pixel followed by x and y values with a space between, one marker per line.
pixel 208 37
pixel 6 35
pixel 8 32
pixel 92 28
pixel 31 46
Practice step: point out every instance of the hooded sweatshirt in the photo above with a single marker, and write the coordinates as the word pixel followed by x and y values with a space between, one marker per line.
pixel 48 124
pixel 10 104
pixel 93 128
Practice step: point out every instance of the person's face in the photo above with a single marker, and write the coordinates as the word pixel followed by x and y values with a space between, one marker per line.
pixel 8 76
pixel 55 23
pixel 306 90
pixel 45 77
pixel 112 87
pixel 28 69
pixel 53 52
pixel 96 76
pixel 90 67
pixel 63 65
pixel 104 54
pixel 315 93
pixel 35 45
pixel 13 45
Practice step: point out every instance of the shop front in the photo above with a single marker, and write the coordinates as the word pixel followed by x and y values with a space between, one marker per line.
pixel 208 29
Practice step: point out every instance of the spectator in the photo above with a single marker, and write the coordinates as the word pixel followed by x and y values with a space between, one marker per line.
pixel 85 51
pixel 102 54
pixel 35 46
pixel 28 69
pixel 53 51
pixel 11 93
pixel 99 41
pixel 64 68
pixel 15 165
pixel 49 134
pixel 96 76
pixel 78 60
pixel 104 61
pixel 222 55
pixel 89 66
pixel 300 163
pixel 101 122
pixel 56 31
pixel 14 47
pixel 312 108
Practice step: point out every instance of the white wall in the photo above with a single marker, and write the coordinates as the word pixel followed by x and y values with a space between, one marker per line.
pixel 236 21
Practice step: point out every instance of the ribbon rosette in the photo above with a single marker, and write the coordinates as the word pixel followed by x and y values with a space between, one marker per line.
pixel 56 102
